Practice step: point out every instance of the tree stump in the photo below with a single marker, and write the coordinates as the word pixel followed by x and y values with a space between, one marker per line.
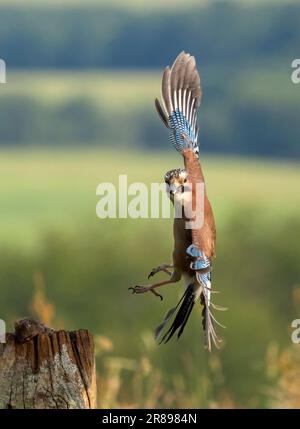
pixel 43 368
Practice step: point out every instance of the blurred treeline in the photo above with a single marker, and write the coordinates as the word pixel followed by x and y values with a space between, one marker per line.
pixel 244 52
pixel 240 33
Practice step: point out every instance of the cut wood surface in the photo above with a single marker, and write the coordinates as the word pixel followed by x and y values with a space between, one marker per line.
pixel 43 368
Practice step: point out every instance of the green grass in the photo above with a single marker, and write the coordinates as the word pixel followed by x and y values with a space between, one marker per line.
pixel 43 189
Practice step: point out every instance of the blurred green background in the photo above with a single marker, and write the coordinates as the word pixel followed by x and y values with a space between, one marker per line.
pixel 78 110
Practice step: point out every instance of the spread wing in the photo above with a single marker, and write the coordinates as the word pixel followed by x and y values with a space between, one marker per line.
pixel 181 96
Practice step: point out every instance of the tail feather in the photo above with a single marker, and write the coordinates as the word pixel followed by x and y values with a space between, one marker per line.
pixel 181 318
pixel 200 290
pixel 210 334
pixel 187 302
pixel 181 96
pixel 185 319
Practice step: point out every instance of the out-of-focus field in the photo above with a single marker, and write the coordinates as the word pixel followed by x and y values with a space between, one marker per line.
pixel 102 87
pixel 41 189
pixel 138 88
pixel 54 248
pixel 245 116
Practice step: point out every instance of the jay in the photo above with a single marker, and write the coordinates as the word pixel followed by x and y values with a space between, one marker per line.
pixel 194 230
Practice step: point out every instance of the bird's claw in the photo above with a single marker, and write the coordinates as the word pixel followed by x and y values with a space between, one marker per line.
pixel 152 273
pixel 136 289
pixel 158 269
pixel 142 289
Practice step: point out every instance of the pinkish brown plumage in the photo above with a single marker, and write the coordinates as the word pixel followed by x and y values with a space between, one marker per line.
pixel 194 248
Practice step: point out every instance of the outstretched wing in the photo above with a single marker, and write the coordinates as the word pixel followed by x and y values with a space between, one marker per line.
pixel 181 95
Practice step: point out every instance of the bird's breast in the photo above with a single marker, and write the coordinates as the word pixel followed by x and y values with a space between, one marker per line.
pixel 182 240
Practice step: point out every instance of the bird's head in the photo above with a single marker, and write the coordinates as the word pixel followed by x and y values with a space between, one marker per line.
pixel 175 181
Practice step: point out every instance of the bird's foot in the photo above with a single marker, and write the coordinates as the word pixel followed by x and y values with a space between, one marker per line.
pixel 143 289
pixel 163 267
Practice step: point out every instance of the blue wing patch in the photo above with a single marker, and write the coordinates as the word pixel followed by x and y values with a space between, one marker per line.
pixel 200 260
pixel 179 125
pixel 199 264
pixel 193 251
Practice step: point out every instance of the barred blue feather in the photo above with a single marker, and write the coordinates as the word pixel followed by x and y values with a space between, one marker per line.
pixel 194 252
pixel 179 125
pixel 199 263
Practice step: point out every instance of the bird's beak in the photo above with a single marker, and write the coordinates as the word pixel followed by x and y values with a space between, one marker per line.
pixel 172 190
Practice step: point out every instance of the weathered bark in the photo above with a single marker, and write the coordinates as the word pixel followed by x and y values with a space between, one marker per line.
pixel 49 370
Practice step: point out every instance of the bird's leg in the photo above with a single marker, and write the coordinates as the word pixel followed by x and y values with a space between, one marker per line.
pixel 175 277
pixel 163 267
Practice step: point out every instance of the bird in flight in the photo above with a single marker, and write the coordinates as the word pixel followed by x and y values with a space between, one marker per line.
pixel 194 229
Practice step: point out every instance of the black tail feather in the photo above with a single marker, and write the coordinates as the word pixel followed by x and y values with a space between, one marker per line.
pixel 182 314
pixel 185 319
